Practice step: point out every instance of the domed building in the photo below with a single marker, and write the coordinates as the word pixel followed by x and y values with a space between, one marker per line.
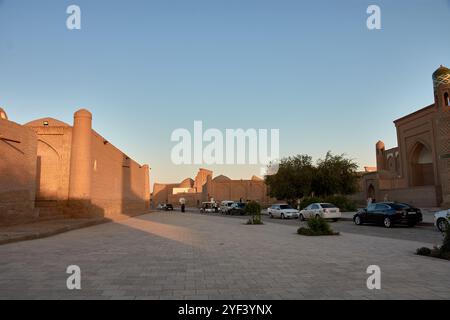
pixel 187 183
pixel 441 77
pixel 417 171
pixel 51 169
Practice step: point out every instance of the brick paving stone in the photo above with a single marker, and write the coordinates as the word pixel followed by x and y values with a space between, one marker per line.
pixel 190 256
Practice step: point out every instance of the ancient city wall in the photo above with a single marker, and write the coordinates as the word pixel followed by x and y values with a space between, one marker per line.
pixel 50 169
pixel 162 193
pixel 18 147
pixel 422 197
pixel 119 185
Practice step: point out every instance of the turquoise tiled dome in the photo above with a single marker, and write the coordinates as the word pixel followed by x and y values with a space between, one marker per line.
pixel 441 76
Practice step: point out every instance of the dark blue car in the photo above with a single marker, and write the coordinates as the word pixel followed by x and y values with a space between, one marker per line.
pixel 389 214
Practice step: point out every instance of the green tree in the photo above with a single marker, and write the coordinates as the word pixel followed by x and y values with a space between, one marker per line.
pixel 334 175
pixel 297 177
pixel 293 180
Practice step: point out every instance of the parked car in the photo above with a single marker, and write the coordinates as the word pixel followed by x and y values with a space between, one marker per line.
pixel 209 207
pixel 324 210
pixel 225 206
pixel 283 211
pixel 389 214
pixel 237 208
pixel 165 207
pixel 442 220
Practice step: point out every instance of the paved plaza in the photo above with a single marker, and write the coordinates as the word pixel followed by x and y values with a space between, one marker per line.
pixel 192 256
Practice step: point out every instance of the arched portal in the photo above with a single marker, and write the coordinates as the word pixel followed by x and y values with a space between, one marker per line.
pixel 391 164
pixel 48 173
pixel 422 168
pixel 371 192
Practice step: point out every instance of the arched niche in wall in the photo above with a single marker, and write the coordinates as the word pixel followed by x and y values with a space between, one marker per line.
pixel 421 165
pixel 48 173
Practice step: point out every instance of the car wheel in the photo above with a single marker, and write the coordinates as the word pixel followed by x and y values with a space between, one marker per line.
pixel 335 220
pixel 317 216
pixel 387 222
pixel 442 225
pixel 282 216
pixel 301 217
pixel 271 216
pixel 411 224
pixel 358 221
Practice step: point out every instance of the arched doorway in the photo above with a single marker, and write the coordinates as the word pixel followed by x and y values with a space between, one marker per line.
pixel 371 192
pixel 48 173
pixel 422 168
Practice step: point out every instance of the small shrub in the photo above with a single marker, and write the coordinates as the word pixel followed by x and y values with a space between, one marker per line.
pixel 317 227
pixel 254 222
pixel 436 252
pixel 423 251
pixel 306 232
pixel 442 252
pixel 445 249
pixel 253 209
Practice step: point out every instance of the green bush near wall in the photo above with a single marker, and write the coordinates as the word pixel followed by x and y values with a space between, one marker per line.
pixel 317 227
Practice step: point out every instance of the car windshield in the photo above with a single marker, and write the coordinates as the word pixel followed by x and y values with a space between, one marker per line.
pixel 240 205
pixel 285 206
pixel 399 206
pixel 328 206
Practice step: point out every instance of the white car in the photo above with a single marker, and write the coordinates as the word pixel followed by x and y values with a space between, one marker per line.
pixel 225 206
pixel 209 207
pixel 283 211
pixel 324 210
pixel 442 220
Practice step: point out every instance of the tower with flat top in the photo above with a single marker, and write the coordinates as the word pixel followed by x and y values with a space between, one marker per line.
pixel 81 163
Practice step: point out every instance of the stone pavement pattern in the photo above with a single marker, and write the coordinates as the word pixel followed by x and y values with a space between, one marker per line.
pixel 174 256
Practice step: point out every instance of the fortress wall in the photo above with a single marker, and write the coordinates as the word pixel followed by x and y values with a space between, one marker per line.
pixel 17 172
pixel 422 197
pixel 119 185
pixel 162 193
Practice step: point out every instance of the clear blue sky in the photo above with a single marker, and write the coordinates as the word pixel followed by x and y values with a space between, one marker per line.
pixel 144 68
